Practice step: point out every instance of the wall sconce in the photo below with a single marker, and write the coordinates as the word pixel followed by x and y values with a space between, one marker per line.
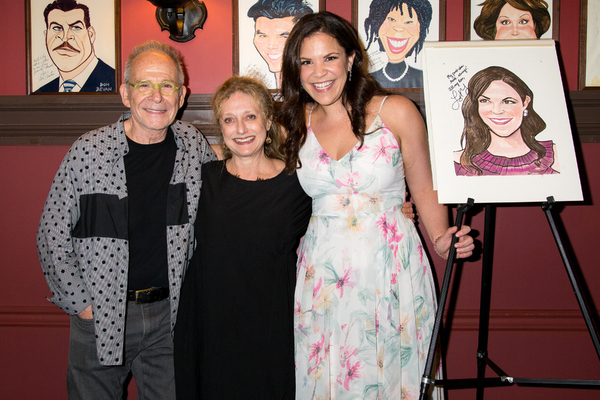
pixel 180 17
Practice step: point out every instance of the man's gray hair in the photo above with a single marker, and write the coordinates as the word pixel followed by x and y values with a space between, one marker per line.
pixel 155 46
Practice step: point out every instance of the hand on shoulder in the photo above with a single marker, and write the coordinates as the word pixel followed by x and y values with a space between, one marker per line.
pixel 218 149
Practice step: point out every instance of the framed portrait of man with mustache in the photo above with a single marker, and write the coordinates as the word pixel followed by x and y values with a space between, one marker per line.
pixel 72 46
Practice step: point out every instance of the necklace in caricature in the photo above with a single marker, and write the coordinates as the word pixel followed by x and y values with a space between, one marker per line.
pixel 398 78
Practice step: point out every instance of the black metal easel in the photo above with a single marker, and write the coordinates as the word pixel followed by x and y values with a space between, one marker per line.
pixel 481 382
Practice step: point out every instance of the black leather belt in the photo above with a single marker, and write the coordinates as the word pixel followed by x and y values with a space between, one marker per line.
pixel 147 295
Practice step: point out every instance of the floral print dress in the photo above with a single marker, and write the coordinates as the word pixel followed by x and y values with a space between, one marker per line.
pixel 365 297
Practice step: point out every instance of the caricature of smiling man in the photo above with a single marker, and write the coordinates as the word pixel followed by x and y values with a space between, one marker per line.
pixel 70 44
pixel 273 21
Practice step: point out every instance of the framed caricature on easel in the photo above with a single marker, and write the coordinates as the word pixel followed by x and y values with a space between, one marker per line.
pixel 498 124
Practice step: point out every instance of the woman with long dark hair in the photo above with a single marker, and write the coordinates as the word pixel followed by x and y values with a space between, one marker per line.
pixel 512 19
pixel 500 129
pixel 365 294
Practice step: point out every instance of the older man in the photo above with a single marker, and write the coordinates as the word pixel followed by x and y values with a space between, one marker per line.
pixel 116 233
pixel 70 41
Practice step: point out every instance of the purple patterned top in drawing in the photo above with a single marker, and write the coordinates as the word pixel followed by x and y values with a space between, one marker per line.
pixel 527 164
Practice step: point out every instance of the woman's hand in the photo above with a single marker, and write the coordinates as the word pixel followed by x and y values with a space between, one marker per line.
pixel 464 245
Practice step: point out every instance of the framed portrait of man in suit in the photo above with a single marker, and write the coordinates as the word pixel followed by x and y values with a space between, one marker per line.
pixel 72 46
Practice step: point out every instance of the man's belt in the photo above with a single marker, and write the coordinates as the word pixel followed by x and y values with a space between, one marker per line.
pixel 147 295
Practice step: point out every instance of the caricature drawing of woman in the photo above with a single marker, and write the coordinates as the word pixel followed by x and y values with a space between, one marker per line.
pixel 500 129
pixel 400 28
pixel 512 19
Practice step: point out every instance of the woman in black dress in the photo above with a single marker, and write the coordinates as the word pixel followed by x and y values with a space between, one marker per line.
pixel 234 334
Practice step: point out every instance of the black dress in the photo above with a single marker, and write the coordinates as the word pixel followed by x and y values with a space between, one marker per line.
pixel 234 335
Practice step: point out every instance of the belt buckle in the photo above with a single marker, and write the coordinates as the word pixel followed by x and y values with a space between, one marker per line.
pixel 140 292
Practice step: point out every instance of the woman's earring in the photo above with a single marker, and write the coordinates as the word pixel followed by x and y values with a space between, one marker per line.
pixel 268 140
pixel 350 74
pixel 525 113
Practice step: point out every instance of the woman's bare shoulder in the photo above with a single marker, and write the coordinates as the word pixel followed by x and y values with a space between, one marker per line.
pixel 387 104
pixel 397 100
pixel 395 107
pixel 399 110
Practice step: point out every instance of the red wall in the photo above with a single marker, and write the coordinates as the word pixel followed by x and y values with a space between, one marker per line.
pixel 209 56
pixel 529 278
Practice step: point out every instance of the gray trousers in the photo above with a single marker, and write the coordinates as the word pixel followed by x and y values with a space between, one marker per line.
pixel 148 356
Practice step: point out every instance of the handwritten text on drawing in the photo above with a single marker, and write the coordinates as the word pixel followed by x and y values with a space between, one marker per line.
pixel 458 86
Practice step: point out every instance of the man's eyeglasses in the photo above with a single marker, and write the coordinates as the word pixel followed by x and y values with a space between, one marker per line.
pixel 166 88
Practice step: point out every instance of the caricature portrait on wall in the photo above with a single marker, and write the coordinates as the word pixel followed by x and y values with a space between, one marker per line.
pixel 72 46
pixel 393 33
pixel 589 46
pixel 263 28
pixel 510 19
pixel 497 120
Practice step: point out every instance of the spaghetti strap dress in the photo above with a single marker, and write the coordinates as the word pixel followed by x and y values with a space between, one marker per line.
pixel 365 295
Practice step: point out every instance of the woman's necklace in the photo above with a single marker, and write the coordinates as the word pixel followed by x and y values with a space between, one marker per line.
pixel 398 78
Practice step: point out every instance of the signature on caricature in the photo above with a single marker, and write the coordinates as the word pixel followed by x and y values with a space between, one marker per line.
pixel 458 86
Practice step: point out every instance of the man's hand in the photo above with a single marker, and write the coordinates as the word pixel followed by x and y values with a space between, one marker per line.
pixel 408 211
pixel 86 314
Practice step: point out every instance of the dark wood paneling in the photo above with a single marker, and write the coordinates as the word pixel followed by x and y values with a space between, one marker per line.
pixel 585 117
pixel 462 320
pixel 60 119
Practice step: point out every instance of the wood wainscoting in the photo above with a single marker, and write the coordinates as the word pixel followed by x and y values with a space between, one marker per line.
pixel 58 119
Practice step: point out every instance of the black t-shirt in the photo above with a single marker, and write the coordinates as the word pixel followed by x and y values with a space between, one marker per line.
pixel 148 168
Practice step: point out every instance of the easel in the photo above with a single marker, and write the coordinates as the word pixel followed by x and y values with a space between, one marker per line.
pixel 481 382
